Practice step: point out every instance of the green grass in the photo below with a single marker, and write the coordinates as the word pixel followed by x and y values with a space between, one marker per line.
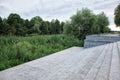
pixel 17 50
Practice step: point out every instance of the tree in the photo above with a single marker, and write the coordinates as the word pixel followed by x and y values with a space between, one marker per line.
pixel 55 27
pixel 82 23
pixel 117 16
pixel 48 24
pixel 58 27
pixel 52 27
pixel 0 20
pixel 44 27
pixel 16 21
pixel 27 24
pixel 102 23
pixel 7 29
pixel 85 22
pixel 61 27
pixel 35 24
pixel 1 26
pixel 67 28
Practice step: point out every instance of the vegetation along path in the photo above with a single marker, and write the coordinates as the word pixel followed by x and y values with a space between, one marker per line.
pixel 17 50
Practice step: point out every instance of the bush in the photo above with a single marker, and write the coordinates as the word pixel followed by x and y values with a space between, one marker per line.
pixel 23 51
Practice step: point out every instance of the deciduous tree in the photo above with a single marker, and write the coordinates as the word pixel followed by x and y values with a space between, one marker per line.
pixel 117 16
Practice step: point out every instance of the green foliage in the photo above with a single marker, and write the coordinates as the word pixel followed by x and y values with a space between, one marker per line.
pixel 55 27
pixel 35 24
pixel 67 28
pixel 44 27
pixel 15 25
pixel 1 26
pixel 102 23
pixel 85 22
pixel 7 29
pixel 117 16
pixel 61 27
pixel 82 23
pixel 17 50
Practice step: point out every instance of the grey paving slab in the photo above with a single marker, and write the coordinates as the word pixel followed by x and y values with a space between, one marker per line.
pixel 96 63
pixel 96 67
pixel 104 71
pixel 115 64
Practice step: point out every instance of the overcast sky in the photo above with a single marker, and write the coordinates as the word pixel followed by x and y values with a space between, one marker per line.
pixel 57 9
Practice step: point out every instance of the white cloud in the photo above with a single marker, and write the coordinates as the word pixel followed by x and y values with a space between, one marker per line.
pixel 52 9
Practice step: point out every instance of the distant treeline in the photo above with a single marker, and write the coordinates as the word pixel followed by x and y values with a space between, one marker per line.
pixel 83 23
pixel 15 25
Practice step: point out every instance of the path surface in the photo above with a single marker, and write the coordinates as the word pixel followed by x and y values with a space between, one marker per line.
pixel 97 63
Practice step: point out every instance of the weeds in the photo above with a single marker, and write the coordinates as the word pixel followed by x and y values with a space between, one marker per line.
pixel 16 50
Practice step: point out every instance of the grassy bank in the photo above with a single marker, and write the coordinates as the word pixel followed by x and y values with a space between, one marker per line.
pixel 17 50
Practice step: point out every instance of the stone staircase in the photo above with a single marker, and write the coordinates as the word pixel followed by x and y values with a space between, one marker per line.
pixel 97 40
pixel 96 63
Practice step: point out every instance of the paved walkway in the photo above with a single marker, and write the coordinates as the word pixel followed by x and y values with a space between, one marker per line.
pixel 97 63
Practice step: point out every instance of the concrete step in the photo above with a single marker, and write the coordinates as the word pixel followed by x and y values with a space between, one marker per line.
pixel 96 67
pixel 96 40
pixel 96 63
pixel 103 37
pixel 103 73
pixel 115 64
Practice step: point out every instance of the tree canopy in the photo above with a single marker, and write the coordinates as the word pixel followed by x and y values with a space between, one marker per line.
pixel 84 22
pixel 15 25
pixel 117 16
